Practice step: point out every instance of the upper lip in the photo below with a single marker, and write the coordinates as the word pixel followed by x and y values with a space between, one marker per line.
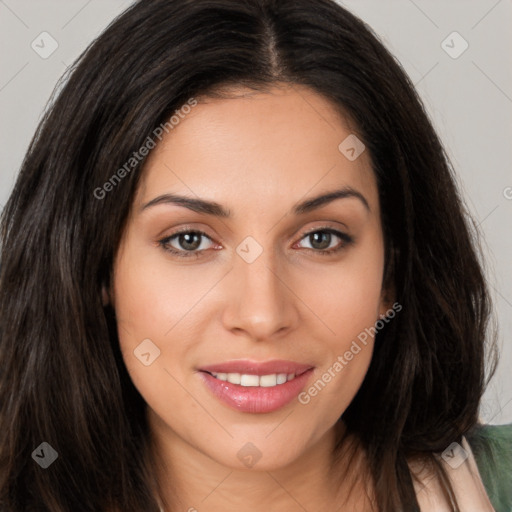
pixel 249 367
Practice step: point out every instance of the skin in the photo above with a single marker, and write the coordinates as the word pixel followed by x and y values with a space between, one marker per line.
pixel 257 155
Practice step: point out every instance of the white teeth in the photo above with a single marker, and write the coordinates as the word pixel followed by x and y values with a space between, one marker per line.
pixel 281 378
pixel 267 381
pixel 248 380
pixel 234 378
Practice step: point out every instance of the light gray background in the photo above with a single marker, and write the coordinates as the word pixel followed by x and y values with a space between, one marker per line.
pixel 469 99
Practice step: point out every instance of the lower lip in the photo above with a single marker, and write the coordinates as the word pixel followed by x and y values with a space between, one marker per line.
pixel 256 399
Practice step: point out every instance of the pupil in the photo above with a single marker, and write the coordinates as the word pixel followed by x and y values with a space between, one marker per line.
pixel 186 242
pixel 317 238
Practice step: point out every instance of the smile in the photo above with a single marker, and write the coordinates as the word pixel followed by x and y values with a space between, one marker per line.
pixel 248 380
pixel 253 386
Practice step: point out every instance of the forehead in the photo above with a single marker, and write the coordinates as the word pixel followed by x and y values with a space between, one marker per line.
pixel 256 147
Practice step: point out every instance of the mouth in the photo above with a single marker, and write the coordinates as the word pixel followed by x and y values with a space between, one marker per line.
pixel 249 380
pixel 254 387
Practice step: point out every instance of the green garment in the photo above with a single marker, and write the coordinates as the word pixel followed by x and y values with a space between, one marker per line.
pixel 492 448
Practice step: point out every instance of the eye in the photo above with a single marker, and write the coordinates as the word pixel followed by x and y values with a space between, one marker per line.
pixel 191 243
pixel 323 241
pixel 185 243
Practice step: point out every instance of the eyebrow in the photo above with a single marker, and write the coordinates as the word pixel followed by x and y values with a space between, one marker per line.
pixel 215 209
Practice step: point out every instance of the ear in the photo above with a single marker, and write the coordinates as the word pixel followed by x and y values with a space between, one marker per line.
pixel 107 291
pixel 388 294
pixel 387 300
pixel 105 297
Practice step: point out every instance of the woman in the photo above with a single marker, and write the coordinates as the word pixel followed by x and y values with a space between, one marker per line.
pixel 236 274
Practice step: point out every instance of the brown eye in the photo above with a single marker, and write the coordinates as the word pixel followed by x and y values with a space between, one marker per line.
pixel 185 243
pixel 189 241
pixel 320 240
pixel 323 241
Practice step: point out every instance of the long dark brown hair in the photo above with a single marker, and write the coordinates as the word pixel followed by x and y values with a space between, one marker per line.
pixel 62 377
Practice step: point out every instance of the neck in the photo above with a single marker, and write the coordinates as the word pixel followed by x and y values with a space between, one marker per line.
pixel 190 480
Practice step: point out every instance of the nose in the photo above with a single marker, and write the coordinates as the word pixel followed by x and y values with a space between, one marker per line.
pixel 260 302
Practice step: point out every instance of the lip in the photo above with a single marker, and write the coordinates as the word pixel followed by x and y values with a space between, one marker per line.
pixel 255 399
pixel 258 368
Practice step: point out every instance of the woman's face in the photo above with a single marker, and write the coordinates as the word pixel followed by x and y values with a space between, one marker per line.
pixel 256 286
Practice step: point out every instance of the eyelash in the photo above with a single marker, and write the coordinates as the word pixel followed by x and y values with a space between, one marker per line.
pixel 346 241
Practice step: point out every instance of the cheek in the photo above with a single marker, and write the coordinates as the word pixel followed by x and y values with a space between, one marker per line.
pixel 347 301
pixel 156 303
pixel 153 349
pixel 347 296
pixel 153 296
pixel 346 357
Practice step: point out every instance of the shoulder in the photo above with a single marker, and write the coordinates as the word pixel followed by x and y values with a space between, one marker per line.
pixel 461 469
pixel 492 448
pixel 491 437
